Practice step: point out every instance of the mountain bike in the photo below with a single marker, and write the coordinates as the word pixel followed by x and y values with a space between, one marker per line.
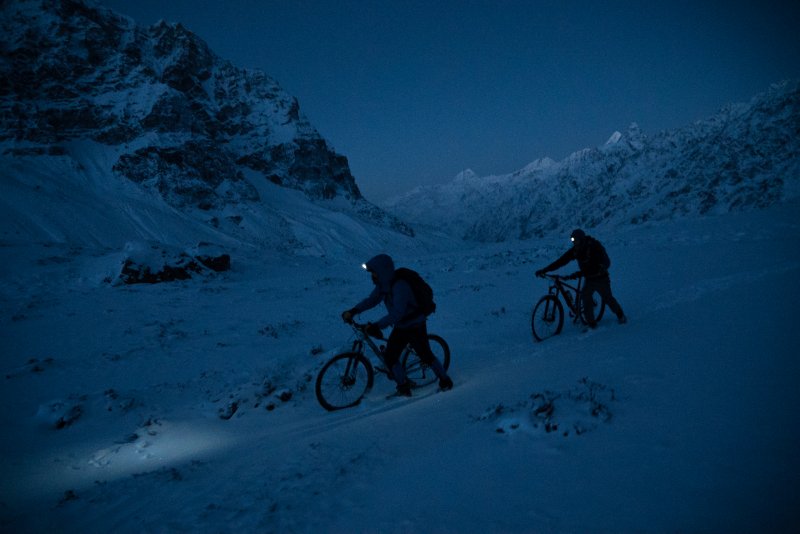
pixel 547 318
pixel 347 377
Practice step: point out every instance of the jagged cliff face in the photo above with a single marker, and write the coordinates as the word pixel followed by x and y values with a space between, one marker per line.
pixel 183 122
pixel 745 157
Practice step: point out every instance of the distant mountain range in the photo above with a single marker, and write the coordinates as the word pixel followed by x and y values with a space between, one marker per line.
pixel 110 132
pixel 747 156
pixel 85 90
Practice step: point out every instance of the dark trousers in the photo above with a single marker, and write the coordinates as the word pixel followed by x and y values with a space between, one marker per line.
pixel 602 286
pixel 417 337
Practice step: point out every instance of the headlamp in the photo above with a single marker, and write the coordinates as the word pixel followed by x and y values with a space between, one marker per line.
pixel 364 265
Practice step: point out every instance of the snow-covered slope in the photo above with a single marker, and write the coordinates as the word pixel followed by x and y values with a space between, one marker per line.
pixel 189 407
pixel 745 157
pixel 155 132
pixel 88 208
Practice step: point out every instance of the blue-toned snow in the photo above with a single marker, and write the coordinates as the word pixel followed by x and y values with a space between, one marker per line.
pixel 695 426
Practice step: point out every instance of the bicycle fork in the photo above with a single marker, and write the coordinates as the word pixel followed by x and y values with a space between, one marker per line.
pixel 349 376
pixel 550 308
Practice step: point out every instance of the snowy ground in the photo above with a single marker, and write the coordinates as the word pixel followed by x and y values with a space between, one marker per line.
pixel 189 406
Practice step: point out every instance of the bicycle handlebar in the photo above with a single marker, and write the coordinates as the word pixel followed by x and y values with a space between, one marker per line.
pixel 359 327
pixel 361 330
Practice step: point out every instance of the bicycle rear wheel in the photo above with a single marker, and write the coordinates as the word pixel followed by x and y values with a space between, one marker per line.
pixel 344 380
pixel 547 318
pixel 599 308
pixel 419 372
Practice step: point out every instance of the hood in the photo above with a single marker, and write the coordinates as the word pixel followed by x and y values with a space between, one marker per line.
pixel 383 266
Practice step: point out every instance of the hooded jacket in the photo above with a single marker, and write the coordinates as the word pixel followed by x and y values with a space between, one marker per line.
pixel 395 294
pixel 591 257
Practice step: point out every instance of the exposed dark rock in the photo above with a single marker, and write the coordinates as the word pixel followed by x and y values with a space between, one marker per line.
pixel 216 263
pixel 133 273
pixel 192 174
pixel 186 123
pixel 153 264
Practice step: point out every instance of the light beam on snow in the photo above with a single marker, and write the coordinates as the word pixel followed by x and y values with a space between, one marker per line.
pixel 158 446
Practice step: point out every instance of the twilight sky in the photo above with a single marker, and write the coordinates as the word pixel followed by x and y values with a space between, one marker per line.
pixel 415 91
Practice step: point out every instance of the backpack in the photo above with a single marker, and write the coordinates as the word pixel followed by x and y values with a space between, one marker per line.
pixel 423 293
pixel 604 260
pixel 601 256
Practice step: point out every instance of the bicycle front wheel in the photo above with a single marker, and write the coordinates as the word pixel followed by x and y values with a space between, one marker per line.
pixel 419 372
pixel 547 318
pixel 344 380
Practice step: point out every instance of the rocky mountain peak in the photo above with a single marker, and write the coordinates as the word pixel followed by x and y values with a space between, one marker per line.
pixel 174 118
pixel 186 59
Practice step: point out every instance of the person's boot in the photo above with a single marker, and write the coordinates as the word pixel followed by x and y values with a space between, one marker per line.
pixel 588 327
pixel 402 390
pixel 445 383
pixel 403 384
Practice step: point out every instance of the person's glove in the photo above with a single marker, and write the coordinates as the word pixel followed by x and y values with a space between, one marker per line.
pixel 540 273
pixel 372 330
pixel 347 316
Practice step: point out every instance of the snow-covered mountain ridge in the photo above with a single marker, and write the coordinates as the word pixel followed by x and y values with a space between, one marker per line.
pixel 746 156
pixel 90 102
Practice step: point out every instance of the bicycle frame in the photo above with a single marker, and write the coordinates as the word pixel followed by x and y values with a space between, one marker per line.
pixel 362 338
pixel 547 317
pixel 571 295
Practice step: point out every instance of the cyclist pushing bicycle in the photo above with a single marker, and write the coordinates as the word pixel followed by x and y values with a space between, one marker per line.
pixel 593 262
pixel 406 314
